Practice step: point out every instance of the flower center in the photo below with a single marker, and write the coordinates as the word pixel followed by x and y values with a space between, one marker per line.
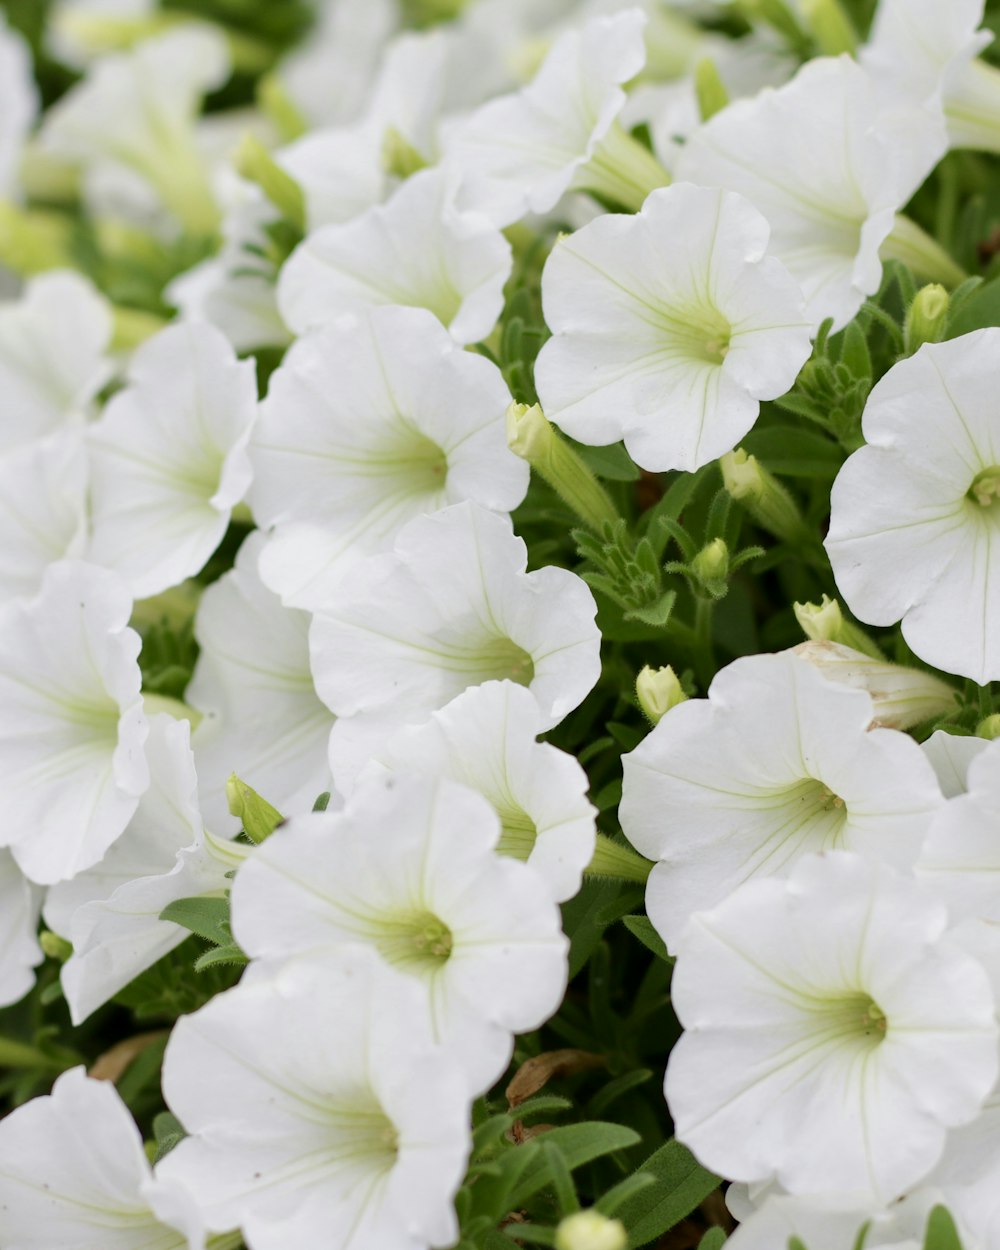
pixel 415 941
pixel 492 657
pixel 855 1016
pixel 696 333
pixel 985 487
pixel 519 832
pixel 360 1132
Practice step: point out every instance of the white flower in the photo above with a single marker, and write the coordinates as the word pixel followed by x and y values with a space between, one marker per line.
pixel 130 122
pixel 776 763
pixel 169 457
pixel 669 328
pixel 43 507
pixel 73 1174
pixel 20 953
pixel 78 32
pixel 835 1223
pixel 833 1033
pixel 321 1113
pixel 262 716
pixel 409 868
pixel 111 912
pixel 915 514
pixel 951 755
pixel 417 249
pixel 486 739
pixel 832 187
pixel 53 356
pixel 71 760
pixel 521 153
pixel 452 607
pixel 365 426
pixel 961 857
pixel 18 104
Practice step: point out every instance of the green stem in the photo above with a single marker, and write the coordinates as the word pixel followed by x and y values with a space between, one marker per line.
pixel 21 1055
pixel 611 859
pixel 704 654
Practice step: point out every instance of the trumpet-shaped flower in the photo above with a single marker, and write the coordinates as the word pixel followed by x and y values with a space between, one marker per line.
pixel 669 328
pixel 451 607
pixel 262 717
pixel 486 739
pixel 321 1113
pixel 776 763
pixel 366 426
pixel 409 868
pixel 43 505
pixel 951 757
pixel 915 515
pixel 169 458
pixel 132 119
pixel 417 249
pixel 73 1174
pixel 834 1222
pixel 833 1032
pixel 20 953
pixel 53 356
pixel 18 104
pixel 521 153
pixel 833 185
pixel 111 912
pixel 71 739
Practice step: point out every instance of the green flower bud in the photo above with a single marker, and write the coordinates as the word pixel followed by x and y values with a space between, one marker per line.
pixel 763 496
pixel 710 89
pixel 711 567
pixel 927 318
pixel 54 946
pixel 259 818
pixel 824 622
pixel 830 26
pixel 256 164
pixel 590 1230
pixel 658 690
pixel 990 727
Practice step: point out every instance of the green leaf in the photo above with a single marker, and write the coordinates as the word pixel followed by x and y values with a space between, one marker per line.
pixel 656 613
pixel 641 927
pixel 578 1144
pixel 167 1132
pixel 613 463
pixel 978 311
pixel 228 954
pixel 208 916
pixel 941 1232
pixel 614 1090
pixel 714 1239
pixel 681 1184
pixel 854 353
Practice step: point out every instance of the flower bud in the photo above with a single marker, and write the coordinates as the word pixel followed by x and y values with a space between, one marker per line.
pixel 259 818
pixel 824 622
pixel 710 89
pixel 830 26
pixel 927 318
pixel 256 164
pixel 711 567
pixel 763 496
pixel 658 690
pixel 54 946
pixel 903 697
pixel 990 727
pixel 589 1230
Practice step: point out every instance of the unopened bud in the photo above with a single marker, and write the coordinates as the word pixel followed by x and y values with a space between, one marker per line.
pixel 990 727
pixel 590 1230
pixel 54 946
pixel 903 697
pixel 258 817
pixel 709 88
pixel 763 496
pixel 711 567
pixel 658 690
pixel 927 318
pixel 531 436
pixel 276 104
pixel 824 622
pixel 830 26
pixel 256 164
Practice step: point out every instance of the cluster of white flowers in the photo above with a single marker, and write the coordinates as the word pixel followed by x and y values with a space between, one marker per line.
pixel 303 456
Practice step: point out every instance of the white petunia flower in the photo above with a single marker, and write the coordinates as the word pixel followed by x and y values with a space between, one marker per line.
pixel 18 105
pixel 486 739
pixel 320 1111
pixel 73 1174
pixel 169 457
pixel 961 857
pixel 53 356
pixel 409 868
pixel 417 249
pixel 835 1223
pixel 71 739
pixel 831 188
pixel 43 511
pixel 131 122
pixel 776 763
pixel 20 954
pixel 262 717
pixel 452 607
pixel 915 515
pixel 111 912
pixel 365 426
pixel 79 32
pixel 951 756
pixel 669 328
pixel 833 1032
pixel 521 153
